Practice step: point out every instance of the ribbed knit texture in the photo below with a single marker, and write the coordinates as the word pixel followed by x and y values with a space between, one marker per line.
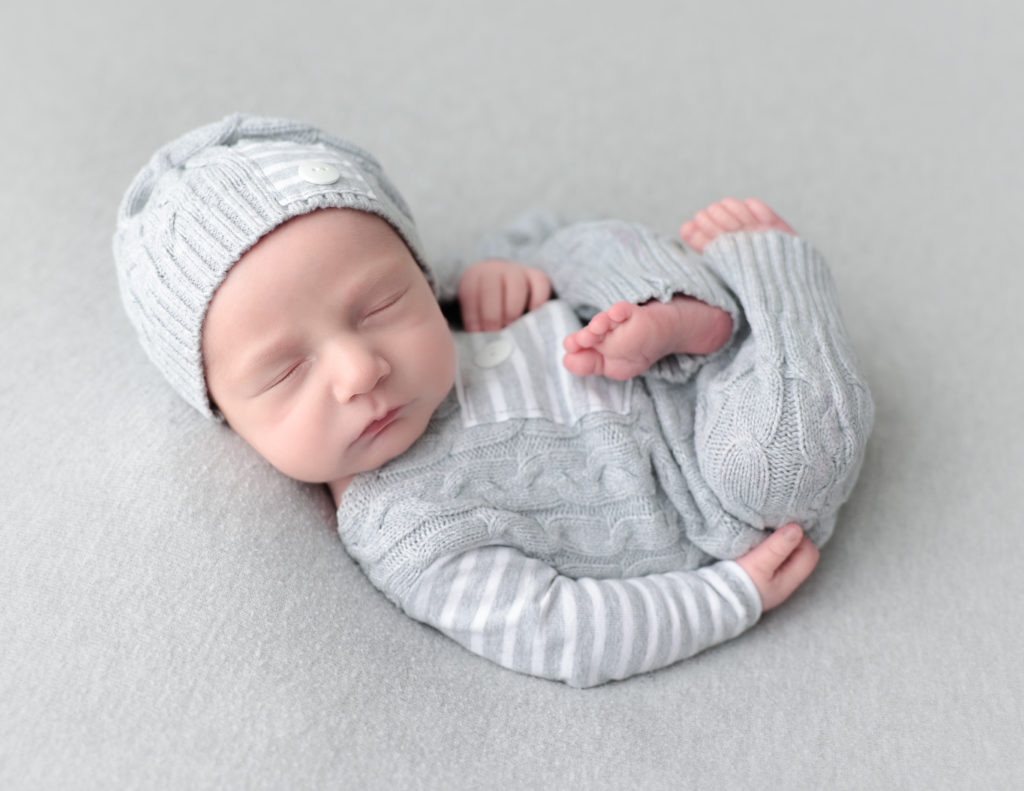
pixel 204 199
pixel 682 466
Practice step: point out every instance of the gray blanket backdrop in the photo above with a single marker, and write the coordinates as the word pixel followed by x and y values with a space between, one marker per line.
pixel 175 615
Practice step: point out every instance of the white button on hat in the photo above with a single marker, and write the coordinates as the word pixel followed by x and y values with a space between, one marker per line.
pixel 318 172
pixel 494 353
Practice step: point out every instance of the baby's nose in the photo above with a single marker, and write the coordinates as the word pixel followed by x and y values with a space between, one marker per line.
pixel 356 369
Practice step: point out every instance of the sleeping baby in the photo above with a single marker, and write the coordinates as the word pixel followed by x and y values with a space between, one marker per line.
pixel 628 449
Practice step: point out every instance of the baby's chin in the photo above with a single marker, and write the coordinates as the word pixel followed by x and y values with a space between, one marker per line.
pixel 340 483
pixel 395 440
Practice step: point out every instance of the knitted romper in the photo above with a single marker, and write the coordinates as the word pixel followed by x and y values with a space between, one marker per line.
pixel 583 529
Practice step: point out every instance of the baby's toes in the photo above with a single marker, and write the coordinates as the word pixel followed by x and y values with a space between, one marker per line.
pixel 740 211
pixel 598 327
pixel 694 236
pixel 619 313
pixel 586 362
pixel 724 218
pixel 571 343
pixel 706 224
pixel 581 339
pixel 766 216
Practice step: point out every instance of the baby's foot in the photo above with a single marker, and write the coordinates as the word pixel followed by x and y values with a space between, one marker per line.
pixel 729 216
pixel 628 339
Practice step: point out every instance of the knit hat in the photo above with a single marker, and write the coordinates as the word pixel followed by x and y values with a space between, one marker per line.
pixel 204 199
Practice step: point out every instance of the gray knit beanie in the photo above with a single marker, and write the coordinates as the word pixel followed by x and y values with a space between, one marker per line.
pixel 204 199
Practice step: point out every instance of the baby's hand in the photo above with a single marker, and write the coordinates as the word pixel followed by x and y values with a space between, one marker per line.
pixel 780 564
pixel 495 292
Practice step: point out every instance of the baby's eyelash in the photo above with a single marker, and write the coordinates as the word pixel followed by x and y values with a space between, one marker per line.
pixel 287 374
pixel 390 301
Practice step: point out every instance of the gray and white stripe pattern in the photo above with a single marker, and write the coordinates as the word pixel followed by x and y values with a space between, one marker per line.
pixel 532 382
pixel 280 162
pixel 522 614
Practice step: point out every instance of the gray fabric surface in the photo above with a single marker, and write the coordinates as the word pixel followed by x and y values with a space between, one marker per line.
pixel 173 614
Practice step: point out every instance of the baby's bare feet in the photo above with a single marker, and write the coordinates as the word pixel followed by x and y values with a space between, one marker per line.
pixel 628 339
pixel 729 216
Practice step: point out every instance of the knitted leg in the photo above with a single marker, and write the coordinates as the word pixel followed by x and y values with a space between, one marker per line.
pixel 781 425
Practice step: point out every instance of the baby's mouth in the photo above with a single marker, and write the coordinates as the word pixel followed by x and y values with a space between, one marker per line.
pixel 379 425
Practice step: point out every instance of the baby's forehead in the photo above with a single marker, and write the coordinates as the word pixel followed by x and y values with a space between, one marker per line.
pixel 315 257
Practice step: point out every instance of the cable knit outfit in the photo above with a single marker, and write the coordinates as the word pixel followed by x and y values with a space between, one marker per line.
pixel 574 528
pixel 583 529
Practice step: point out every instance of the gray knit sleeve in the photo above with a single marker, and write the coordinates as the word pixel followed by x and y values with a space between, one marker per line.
pixel 782 423
pixel 519 612
pixel 592 265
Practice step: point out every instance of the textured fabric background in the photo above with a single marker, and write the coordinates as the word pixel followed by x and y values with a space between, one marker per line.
pixel 174 614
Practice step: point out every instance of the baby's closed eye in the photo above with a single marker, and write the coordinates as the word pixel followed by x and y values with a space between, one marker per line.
pixel 292 372
pixel 384 305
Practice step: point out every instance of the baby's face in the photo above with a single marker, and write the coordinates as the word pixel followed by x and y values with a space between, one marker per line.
pixel 325 348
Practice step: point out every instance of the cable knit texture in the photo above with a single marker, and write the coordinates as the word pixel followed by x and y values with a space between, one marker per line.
pixel 680 467
pixel 208 196
pixel 781 429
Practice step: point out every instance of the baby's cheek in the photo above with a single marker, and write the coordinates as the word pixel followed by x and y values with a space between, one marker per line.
pixel 297 450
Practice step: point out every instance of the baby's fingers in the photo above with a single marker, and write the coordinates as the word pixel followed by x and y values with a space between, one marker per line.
pixel 540 288
pixel 469 301
pixel 492 305
pixel 525 289
pixel 793 572
pixel 780 564
pixel 516 293
pixel 493 293
pixel 481 299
